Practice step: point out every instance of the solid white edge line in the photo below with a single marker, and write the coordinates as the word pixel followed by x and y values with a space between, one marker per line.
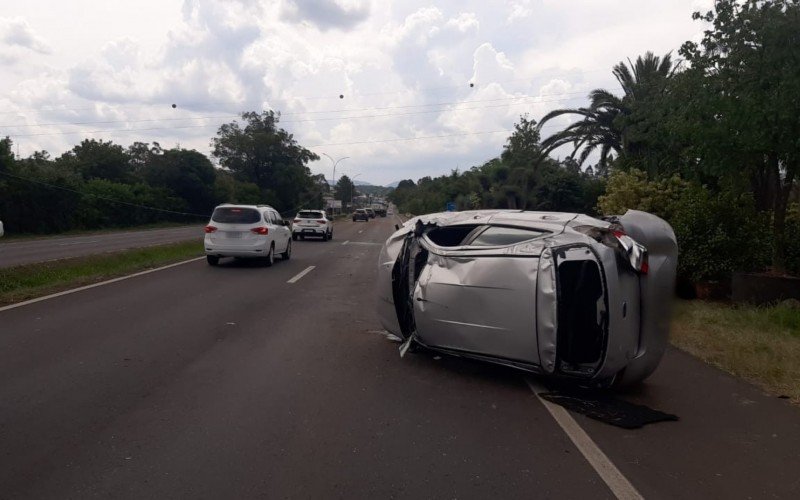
pixel 302 273
pixel 605 468
pixel 95 285
pixel 345 242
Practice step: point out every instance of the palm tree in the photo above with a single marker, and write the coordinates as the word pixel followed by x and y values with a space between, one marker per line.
pixel 604 122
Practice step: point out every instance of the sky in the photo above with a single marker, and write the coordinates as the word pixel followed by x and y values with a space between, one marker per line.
pixel 401 89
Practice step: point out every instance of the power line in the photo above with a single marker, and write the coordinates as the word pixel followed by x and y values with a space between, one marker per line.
pixel 307 120
pixel 522 98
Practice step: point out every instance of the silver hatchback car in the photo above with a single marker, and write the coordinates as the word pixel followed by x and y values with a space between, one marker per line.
pixel 559 294
pixel 247 231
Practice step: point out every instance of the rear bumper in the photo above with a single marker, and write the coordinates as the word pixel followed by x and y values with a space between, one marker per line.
pixel 310 231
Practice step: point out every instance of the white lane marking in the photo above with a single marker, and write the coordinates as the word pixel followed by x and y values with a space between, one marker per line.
pixel 361 231
pixel 301 274
pixel 368 243
pixel 605 468
pixel 345 242
pixel 95 285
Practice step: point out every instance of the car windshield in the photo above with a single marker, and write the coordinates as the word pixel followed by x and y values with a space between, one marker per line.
pixel 235 215
pixel 310 215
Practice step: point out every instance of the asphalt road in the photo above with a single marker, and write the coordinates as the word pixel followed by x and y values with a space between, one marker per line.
pixel 19 252
pixel 230 382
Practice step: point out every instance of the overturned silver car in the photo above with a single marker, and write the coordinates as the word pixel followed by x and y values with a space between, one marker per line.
pixel 560 294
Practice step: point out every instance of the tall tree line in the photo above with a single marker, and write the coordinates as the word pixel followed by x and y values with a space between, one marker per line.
pixel 100 184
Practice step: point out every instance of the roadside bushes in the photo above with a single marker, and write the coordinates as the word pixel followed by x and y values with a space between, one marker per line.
pixel 717 233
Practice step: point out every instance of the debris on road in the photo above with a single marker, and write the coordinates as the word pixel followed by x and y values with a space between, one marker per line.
pixel 602 406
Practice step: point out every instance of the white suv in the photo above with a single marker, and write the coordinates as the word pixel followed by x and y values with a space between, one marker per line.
pixel 247 231
pixel 312 223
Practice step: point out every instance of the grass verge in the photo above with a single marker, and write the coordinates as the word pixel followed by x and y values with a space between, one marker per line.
pixel 12 237
pixel 759 344
pixel 35 280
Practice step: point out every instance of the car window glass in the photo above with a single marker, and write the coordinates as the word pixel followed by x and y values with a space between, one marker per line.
pixel 307 214
pixel 451 236
pixel 275 218
pixel 235 215
pixel 500 236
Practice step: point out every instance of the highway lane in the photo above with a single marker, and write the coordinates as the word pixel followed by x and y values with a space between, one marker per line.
pixel 19 252
pixel 230 382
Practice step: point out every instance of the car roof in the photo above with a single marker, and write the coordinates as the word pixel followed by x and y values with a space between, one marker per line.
pixel 235 205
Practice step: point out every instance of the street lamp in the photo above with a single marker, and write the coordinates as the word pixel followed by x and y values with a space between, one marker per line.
pixel 335 162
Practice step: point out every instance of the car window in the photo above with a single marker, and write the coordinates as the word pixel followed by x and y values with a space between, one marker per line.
pixel 500 236
pixel 235 215
pixel 308 214
pixel 451 236
pixel 276 219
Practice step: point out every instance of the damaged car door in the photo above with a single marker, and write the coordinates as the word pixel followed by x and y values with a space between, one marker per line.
pixel 478 297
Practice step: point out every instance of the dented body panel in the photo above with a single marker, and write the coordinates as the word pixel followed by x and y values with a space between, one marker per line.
pixel 551 293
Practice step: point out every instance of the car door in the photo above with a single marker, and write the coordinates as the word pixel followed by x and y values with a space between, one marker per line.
pixel 480 298
pixel 282 233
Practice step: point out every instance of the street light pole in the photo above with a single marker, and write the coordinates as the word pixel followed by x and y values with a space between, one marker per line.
pixel 335 162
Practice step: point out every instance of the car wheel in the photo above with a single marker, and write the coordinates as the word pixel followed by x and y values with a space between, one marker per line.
pixel 288 253
pixel 270 256
pixel 294 237
pixel 302 237
pixel 330 235
pixel 212 260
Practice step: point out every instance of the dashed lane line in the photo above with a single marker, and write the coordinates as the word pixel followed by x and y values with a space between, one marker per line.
pixel 302 273
pixel 605 468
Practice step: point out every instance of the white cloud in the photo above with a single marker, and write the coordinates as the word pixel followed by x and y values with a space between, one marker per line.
pixel 403 68
pixel 17 32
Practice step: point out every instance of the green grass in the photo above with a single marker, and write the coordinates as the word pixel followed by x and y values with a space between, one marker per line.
pixel 759 344
pixel 35 280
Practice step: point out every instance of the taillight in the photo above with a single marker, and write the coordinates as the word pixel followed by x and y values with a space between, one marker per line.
pixel 296 221
pixel 210 229
pixel 321 221
pixel 260 230
pixel 636 253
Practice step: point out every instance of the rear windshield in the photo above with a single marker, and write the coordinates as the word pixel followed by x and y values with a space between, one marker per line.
pixel 310 215
pixel 235 215
pixel 360 211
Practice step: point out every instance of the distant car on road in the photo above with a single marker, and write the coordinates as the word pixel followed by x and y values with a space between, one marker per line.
pixel 360 214
pixel 312 223
pixel 559 294
pixel 247 231
pixel 370 212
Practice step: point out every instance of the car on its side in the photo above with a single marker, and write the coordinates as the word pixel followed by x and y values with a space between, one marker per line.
pixel 360 214
pixel 247 231
pixel 312 223
pixel 565 295
pixel 370 212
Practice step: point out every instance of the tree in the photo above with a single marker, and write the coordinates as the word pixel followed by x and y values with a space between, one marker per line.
pixel 345 190
pixel 266 155
pixel 98 160
pixel 742 91
pixel 186 173
pixel 607 121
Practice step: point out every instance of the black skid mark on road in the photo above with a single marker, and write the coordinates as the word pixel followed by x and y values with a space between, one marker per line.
pixel 605 407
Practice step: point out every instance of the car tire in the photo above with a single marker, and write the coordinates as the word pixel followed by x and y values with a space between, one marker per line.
pixel 294 237
pixel 270 258
pixel 330 236
pixel 288 253
pixel 213 260
pixel 303 237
